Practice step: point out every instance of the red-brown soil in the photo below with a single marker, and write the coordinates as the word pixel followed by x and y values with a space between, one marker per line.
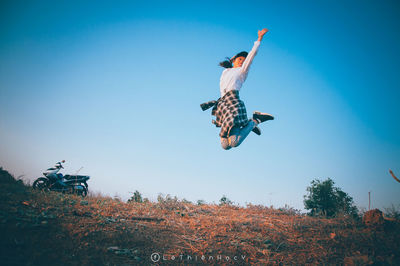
pixel 39 228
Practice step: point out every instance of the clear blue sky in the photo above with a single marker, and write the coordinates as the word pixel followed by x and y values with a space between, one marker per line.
pixel 115 87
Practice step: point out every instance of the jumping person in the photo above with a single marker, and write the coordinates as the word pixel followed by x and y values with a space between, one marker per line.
pixel 229 110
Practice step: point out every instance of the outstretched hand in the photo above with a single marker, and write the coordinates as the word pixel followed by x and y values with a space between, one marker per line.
pixel 391 172
pixel 261 34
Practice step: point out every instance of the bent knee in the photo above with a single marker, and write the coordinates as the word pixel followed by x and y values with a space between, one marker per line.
pixel 235 144
pixel 225 144
pixel 234 141
pixel 226 147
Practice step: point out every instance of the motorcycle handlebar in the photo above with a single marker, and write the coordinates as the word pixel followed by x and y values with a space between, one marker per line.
pixel 59 165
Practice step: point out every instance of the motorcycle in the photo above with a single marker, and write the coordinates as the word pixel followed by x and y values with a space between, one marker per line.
pixel 55 181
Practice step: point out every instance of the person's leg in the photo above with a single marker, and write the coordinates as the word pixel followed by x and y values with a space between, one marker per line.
pixel 225 144
pixel 237 135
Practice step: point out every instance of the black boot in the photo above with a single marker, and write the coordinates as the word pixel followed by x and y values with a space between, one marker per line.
pixel 257 130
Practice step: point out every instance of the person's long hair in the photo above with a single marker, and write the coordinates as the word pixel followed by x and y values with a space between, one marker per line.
pixel 228 63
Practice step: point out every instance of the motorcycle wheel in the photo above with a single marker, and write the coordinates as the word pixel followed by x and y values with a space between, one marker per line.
pixel 82 193
pixel 40 184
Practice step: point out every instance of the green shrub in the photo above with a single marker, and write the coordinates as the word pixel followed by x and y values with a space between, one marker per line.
pixel 225 201
pixel 136 197
pixel 201 202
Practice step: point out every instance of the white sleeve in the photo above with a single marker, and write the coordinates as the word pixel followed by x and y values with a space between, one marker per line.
pixel 249 58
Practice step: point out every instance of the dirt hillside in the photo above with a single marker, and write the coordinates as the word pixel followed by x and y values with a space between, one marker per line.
pixel 48 228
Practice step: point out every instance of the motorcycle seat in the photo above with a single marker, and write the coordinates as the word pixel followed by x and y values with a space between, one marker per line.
pixel 69 177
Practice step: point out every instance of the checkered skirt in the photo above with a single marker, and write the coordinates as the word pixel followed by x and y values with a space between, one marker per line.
pixel 229 111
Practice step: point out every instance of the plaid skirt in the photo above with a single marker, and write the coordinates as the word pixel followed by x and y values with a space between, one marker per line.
pixel 229 111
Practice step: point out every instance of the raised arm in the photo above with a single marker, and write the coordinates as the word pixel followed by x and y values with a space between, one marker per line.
pixel 395 178
pixel 249 59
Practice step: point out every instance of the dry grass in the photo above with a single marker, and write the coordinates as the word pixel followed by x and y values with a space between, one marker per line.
pixel 42 228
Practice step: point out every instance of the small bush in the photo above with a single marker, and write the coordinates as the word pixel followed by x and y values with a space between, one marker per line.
pixel 393 212
pixel 136 197
pixel 201 202
pixel 169 202
pixel 186 201
pixel 225 201
pixel 6 177
pixel 289 210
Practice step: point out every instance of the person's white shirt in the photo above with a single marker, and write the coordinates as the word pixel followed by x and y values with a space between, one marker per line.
pixel 233 78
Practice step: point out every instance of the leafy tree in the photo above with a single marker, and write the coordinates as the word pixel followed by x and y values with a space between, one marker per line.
pixel 325 199
pixel 136 197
